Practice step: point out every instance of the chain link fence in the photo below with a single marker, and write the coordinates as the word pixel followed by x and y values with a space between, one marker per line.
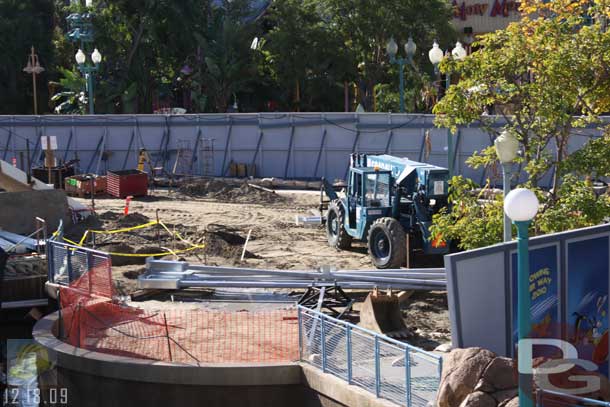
pixel 390 369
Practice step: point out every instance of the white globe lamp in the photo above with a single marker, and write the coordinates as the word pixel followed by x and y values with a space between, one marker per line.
pixel 521 205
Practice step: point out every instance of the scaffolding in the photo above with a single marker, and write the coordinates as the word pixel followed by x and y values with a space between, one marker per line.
pixel 207 157
pixel 184 158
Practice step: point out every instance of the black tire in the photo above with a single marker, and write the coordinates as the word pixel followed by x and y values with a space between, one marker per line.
pixel 387 243
pixel 335 232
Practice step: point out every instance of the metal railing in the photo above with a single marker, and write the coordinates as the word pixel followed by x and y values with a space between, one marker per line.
pixel 387 368
pixel 563 399
pixel 66 262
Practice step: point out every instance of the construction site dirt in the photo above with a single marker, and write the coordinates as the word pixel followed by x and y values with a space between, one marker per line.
pixel 221 216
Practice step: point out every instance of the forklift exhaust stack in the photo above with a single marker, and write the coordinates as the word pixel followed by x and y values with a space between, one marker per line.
pixel 381 313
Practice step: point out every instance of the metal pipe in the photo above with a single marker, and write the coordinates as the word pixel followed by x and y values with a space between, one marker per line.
pixel 506 167
pixel 150 283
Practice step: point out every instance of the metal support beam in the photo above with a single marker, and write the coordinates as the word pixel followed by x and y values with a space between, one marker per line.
pixel 289 152
pixel 356 139
pixel 225 166
pixel 97 151
pixel 68 145
pixel 320 151
pixel 258 144
pixel 195 156
pixel 8 142
pixel 133 135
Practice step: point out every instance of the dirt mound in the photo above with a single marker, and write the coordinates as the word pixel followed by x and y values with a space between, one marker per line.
pixel 109 215
pixel 133 219
pixel 222 241
pixel 124 248
pixel 229 191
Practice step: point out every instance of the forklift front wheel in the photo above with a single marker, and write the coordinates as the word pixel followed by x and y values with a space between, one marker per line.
pixel 387 243
pixel 335 231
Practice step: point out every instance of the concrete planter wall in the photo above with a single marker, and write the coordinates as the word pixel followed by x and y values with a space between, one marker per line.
pixel 99 379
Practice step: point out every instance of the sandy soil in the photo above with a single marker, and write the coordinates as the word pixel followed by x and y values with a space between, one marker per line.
pixel 222 220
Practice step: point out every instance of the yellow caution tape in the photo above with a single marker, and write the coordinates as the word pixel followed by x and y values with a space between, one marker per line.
pixel 71 242
pixel 82 239
pixel 177 235
pixel 111 232
pixel 145 225
pixel 174 252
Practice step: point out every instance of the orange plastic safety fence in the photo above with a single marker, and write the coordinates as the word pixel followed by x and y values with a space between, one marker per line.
pixel 92 321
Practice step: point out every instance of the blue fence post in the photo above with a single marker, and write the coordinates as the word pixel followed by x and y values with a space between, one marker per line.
pixel 377 368
pixel 348 341
pixel 408 376
pixel 50 264
pixel 300 319
pixel 323 342
pixel 69 264
pixel 440 370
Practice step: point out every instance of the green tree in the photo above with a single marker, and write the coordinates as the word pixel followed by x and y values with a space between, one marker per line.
pixel 226 66
pixel 144 44
pixel 365 27
pixel 310 64
pixel 546 75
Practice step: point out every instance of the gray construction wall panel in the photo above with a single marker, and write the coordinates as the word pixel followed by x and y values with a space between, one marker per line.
pixel 398 134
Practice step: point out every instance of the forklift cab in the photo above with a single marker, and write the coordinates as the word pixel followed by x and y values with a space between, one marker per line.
pixel 368 198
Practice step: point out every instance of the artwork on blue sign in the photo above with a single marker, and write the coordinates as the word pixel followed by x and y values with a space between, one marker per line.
pixel 587 302
pixel 544 293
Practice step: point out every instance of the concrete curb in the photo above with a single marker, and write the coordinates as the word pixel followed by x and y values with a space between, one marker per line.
pixel 330 390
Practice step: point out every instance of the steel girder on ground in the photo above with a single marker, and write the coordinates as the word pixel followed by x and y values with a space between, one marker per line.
pixel 174 275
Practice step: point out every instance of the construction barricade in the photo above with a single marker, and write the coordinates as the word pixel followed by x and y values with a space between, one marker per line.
pixel 94 318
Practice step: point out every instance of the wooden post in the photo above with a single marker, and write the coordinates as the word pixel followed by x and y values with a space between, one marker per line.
pixel 29 167
pixel 169 347
pixel 158 226
pixel 92 186
pixel 49 160
pixel 408 251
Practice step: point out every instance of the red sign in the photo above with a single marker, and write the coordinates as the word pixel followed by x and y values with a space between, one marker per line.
pixel 500 8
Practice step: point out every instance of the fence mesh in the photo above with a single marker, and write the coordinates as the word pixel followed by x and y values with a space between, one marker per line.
pixel 369 360
pixel 93 321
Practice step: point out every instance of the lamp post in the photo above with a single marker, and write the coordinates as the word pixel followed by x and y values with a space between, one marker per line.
pixel 392 50
pixel 81 31
pixel 88 70
pixel 506 149
pixel 436 56
pixel 33 67
pixel 521 205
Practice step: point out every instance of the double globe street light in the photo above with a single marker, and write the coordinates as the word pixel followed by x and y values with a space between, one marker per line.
pixel 88 70
pixel 436 55
pixel 392 50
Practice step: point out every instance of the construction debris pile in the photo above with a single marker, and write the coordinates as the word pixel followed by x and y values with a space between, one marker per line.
pixel 229 191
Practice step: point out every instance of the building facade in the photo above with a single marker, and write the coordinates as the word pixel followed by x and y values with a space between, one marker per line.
pixel 473 17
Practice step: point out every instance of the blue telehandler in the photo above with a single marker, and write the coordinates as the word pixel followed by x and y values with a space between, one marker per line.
pixel 389 203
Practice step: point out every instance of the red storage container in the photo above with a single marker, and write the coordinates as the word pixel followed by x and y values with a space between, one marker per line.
pixel 127 182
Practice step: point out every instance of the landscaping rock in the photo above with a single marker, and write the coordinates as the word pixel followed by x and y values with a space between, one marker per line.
pixel 478 399
pixel 462 369
pixel 477 377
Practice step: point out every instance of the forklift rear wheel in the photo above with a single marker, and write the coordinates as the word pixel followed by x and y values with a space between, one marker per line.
pixel 335 232
pixel 387 243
